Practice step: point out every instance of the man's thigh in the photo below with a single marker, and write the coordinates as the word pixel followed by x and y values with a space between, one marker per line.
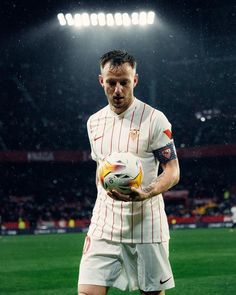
pixel 92 290
pixel 154 270
pixel 100 264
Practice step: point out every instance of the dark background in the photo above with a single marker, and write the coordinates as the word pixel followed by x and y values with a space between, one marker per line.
pixel 49 87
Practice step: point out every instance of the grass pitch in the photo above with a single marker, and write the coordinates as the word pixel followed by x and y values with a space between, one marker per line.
pixel 203 261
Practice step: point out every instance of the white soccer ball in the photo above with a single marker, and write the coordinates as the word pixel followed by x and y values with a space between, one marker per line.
pixel 120 171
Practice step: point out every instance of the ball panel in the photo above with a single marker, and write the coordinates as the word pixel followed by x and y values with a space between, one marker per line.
pixel 120 171
pixel 136 182
pixel 106 168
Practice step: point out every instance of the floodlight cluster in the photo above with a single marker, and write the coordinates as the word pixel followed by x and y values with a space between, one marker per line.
pixel 101 19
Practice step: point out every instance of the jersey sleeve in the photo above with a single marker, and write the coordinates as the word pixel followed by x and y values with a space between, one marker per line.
pixel 162 143
pixel 93 155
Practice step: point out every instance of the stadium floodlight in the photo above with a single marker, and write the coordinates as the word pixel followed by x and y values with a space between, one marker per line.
pixel 110 19
pixel 150 17
pixel 85 19
pixel 78 20
pixel 142 18
pixel 126 19
pixel 61 19
pixel 118 19
pixel 94 19
pixel 101 19
pixel 69 19
pixel 134 18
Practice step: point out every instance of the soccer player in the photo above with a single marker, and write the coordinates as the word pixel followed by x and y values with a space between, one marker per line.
pixel 127 243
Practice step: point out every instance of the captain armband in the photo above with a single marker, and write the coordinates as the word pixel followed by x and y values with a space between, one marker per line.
pixel 166 153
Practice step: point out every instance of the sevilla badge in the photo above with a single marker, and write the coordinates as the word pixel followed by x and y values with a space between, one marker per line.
pixel 166 153
pixel 134 133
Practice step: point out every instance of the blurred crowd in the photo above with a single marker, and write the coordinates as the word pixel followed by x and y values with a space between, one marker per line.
pixel 50 112
pixel 42 192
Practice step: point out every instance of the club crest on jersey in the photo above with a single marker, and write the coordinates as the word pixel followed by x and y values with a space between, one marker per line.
pixel 134 133
pixel 166 153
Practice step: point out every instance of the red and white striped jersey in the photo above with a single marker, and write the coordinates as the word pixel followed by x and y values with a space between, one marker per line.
pixel 141 130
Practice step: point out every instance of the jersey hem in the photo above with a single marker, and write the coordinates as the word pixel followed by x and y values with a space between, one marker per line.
pixel 126 241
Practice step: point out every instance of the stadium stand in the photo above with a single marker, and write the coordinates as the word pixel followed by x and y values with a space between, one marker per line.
pixel 207 107
pixel 46 101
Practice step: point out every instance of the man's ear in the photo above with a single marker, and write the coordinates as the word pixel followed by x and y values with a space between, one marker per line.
pixel 135 80
pixel 101 81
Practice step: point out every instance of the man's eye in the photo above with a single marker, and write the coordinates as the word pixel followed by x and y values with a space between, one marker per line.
pixel 123 83
pixel 112 83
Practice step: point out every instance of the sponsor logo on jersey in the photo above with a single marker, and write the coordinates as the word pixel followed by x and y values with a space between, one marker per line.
pixel 97 137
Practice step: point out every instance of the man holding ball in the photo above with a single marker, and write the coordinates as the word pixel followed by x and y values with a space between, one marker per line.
pixel 127 245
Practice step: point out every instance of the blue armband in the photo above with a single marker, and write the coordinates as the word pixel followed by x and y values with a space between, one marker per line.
pixel 166 153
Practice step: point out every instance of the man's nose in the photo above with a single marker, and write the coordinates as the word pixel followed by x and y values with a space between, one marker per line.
pixel 118 88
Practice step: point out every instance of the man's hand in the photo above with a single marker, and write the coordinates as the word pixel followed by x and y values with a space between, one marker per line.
pixel 167 179
pixel 136 195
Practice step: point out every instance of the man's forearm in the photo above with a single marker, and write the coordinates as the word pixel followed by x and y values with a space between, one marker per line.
pixel 167 179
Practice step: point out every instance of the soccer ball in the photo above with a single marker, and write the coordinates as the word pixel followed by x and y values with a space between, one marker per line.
pixel 120 171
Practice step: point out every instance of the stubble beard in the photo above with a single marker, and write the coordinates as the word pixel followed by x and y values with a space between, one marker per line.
pixel 122 106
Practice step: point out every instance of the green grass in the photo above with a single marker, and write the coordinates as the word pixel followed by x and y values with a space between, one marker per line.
pixel 203 261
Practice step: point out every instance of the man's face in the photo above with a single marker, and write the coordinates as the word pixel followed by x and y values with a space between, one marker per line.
pixel 118 83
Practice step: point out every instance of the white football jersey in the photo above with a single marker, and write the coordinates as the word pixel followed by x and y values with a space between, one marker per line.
pixel 141 130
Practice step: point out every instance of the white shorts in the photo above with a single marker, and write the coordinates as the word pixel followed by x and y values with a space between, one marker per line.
pixel 126 266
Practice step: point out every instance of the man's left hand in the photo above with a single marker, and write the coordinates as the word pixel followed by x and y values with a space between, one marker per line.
pixel 136 195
